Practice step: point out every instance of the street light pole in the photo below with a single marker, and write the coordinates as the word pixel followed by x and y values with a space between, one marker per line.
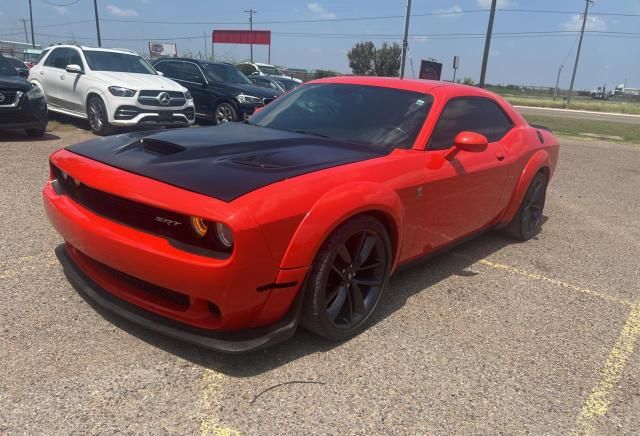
pixel 95 8
pixel 251 12
pixel 33 39
pixel 487 44
pixel 405 42
pixel 575 66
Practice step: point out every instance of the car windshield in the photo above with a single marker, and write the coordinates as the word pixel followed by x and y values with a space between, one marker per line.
pixel 6 69
pixel 225 73
pixel 383 117
pixel 269 69
pixel 287 84
pixel 120 62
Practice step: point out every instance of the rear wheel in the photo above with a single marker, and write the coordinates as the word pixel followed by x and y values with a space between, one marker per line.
pixel 97 114
pixel 347 279
pixel 526 222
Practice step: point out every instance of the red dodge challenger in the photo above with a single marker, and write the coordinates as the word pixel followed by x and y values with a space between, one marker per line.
pixel 230 236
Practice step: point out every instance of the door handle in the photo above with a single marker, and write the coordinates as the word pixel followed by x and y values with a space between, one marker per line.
pixel 62 76
pixel 42 73
pixel 500 155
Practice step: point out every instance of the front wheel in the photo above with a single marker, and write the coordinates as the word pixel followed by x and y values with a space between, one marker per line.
pixel 224 113
pixel 347 279
pixel 98 119
pixel 526 222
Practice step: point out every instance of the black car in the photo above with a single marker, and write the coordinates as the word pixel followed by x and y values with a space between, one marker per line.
pixel 220 91
pixel 274 82
pixel 22 104
pixel 20 66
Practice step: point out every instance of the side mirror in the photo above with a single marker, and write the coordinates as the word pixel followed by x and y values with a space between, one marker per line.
pixel 23 72
pixel 204 84
pixel 74 68
pixel 467 141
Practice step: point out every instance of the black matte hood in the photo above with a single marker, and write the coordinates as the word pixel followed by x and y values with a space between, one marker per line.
pixel 226 161
pixel 15 82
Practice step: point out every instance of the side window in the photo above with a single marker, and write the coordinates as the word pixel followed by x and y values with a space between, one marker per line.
pixel 170 69
pixel 52 59
pixel 191 73
pixel 478 115
pixel 42 55
pixel 74 58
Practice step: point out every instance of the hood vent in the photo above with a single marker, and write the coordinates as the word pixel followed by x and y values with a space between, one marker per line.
pixel 160 147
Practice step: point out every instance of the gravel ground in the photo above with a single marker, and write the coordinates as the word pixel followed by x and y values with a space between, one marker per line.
pixel 493 337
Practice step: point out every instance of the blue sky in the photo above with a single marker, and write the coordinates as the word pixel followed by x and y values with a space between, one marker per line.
pixel 530 61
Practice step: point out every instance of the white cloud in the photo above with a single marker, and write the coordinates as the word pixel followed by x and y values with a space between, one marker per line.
pixel 501 4
pixel 320 11
pixel 593 23
pixel 61 10
pixel 452 12
pixel 119 12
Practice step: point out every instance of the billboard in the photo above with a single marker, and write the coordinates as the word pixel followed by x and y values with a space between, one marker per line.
pixel 430 70
pixel 162 50
pixel 258 37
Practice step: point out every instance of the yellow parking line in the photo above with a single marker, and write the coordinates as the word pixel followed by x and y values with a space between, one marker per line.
pixel 597 404
pixel 210 425
pixel 535 276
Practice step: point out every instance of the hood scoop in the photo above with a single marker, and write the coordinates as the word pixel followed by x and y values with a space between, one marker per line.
pixel 155 146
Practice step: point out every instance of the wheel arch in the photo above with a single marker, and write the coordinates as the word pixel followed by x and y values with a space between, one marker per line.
pixel 539 161
pixel 337 207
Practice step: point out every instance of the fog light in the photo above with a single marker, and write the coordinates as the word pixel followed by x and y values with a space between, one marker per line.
pixel 225 235
pixel 199 226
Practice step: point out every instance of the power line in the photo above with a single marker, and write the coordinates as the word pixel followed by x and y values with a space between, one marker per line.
pixel 71 3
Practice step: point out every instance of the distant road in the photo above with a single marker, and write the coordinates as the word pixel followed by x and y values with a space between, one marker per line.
pixel 584 115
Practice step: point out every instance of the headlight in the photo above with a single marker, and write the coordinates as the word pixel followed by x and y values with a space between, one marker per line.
pixel 187 95
pixel 119 91
pixel 35 92
pixel 243 98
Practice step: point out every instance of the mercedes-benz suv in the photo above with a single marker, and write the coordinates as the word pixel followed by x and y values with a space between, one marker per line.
pixel 110 87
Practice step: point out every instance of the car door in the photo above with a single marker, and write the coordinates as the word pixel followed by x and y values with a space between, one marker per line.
pixel 462 194
pixel 48 76
pixel 192 77
pixel 71 84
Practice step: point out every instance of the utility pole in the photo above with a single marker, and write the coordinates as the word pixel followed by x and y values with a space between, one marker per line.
pixel 575 66
pixel 405 42
pixel 555 91
pixel 251 12
pixel 206 50
pixel 95 8
pixel 24 23
pixel 33 39
pixel 487 44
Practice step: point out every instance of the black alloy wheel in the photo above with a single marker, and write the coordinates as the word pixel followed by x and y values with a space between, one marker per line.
pixel 348 278
pixel 224 113
pixel 526 223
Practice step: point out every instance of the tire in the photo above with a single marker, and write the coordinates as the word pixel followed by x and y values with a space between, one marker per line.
pixel 224 112
pixel 36 133
pixel 347 279
pixel 526 222
pixel 97 116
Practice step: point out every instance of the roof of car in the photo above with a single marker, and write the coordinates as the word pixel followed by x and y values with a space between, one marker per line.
pixel 85 47
pixel 198 61
pixel 417 85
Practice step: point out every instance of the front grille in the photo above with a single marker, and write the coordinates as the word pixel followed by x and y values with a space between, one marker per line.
pixel 130 112
pixel 10 96
pixel 171 225
pixel 151 98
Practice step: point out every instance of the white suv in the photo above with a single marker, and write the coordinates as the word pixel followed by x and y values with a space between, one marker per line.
pixel 110 87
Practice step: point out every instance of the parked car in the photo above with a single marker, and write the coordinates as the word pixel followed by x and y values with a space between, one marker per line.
pixel 258 69
pixel 20 66
pixel 22 105
pixel 110 88
pixel 274 82
pixel 230 236
pixel 221 93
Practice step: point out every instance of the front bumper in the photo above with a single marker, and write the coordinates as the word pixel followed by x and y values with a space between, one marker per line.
pixel 27 114
pixel 231 342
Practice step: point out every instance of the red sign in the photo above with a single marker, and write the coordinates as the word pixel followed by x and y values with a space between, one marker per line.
pixel 260 37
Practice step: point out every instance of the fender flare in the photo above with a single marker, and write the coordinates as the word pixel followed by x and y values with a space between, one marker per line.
pixel 538 161
pixel 337 206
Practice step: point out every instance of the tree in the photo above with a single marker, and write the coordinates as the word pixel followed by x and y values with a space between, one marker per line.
pixel 319 74
pixel 468 81
pixel 361 58
pixel 387 60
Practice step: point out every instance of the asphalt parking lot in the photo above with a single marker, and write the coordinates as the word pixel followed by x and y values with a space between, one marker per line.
pixel 494 337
